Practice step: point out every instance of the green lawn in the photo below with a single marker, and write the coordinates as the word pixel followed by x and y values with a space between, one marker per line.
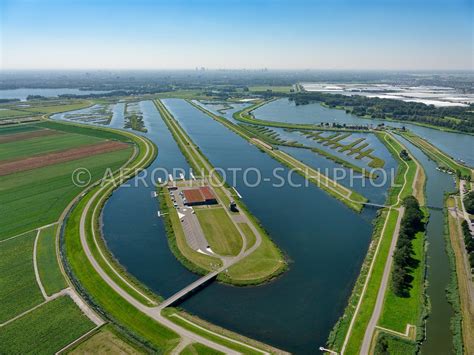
pixel 208 334
pixel 251 239
pixel 42 145
pixel 199 349
pixel 48 267
pixel 37 197
pixel 220 231
pixel 399 311
pixel 19 290
pixel 260 265
pixel 45 330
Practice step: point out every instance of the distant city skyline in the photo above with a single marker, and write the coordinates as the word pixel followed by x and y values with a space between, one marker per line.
pixel 247 34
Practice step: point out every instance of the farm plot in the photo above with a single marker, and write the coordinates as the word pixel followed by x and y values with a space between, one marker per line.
pixel 45 330
pixel 35 189
pixel 14 166
pixel 19 290
pixel 33 146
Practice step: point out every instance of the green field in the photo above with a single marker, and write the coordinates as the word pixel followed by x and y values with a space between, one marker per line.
pixel 220 231
pixel 249 235
pixel 399 311
pixel 106 341
pixel 37 197
pixel 19 290
pixel 8 113
pixel 5 130
pixel 45 330
pixel 43 145
pixel 199 349
pixel 54 108
pixel 48 267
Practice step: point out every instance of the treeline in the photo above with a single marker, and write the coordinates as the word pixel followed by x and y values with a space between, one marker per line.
pixel 468 242
pixel 455 117
pixel 469 202
pixel 403 261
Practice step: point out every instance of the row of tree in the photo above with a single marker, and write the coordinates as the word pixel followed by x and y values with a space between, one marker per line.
pixel 403 260
pixel 455 117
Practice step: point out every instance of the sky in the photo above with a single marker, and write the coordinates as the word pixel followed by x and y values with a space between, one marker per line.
pixel 231 34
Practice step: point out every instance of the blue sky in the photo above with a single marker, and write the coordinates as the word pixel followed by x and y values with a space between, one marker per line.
pixel 277 34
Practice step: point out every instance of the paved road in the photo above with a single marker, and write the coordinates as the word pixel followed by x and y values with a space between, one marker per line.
pixel 192 228
pixel 369 332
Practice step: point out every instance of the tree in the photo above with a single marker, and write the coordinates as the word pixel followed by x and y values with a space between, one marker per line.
pixel 469 202
pixel 381 347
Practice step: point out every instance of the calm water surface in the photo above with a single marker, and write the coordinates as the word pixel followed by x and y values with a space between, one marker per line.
pixel 459 146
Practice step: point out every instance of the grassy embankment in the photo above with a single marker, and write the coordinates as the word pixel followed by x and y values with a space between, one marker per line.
pixel 199 349
pixel 217 334
pixel 462 323
pixel 368 282
pixel 442 159
pixel 253 269
pixel 351 198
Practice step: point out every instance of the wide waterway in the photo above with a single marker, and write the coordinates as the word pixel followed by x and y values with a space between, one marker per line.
pixel 324 241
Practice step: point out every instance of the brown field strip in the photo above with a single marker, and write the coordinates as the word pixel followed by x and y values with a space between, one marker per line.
pixel 27 135
pixel 40 161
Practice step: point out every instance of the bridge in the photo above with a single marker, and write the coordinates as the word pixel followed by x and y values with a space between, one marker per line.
pixel 189 289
